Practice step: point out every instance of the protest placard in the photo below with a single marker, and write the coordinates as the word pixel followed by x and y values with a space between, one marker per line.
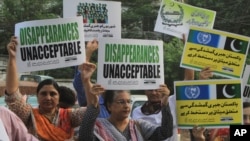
pixel 130 64
pixel 174 18
pixel 101 19
pixel 49 44
pixel 225 53
pixel 209 103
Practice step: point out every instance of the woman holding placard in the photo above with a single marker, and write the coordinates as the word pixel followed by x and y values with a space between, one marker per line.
pixel 48 121
pixel 118 127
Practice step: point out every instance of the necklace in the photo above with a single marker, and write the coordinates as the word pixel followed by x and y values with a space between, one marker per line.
pixel 49 116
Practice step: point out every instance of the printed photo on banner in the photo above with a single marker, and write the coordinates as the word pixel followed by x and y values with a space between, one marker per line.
pixel 50 44
pixel 130 64
pixel 101 19
pixel 246 84
pixel 225 53
pixel 174 18
pixel 209 103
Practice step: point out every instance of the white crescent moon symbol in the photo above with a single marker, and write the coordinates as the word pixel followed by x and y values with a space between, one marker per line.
pixel 226 94
pixel 232 46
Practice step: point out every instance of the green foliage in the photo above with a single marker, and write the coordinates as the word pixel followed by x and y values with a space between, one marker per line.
pixel 15 11
pixel 139 17
pixel 172 57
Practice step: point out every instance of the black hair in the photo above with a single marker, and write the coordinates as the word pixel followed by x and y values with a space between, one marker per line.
pixel 67 97
pixel 246 104
pixel 47 82
pixel 109 96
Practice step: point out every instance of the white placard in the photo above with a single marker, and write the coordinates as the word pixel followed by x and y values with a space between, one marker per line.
pixel 129 64
pixel 174 18
pixel 50 44
pixel 101 19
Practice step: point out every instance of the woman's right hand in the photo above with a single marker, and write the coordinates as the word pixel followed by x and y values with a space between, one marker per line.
pixel 11 47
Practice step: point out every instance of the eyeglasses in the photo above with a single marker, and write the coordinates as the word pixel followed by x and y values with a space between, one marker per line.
pixel 245 117
pixel 123 102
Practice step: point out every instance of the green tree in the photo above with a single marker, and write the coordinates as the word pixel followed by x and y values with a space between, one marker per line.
pixel 138 18
pixel 172 57
pixel 15 11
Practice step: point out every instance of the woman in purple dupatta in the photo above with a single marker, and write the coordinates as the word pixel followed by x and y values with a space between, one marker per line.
pixel 118 127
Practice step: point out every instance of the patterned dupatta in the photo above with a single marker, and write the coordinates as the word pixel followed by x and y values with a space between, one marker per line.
pixel 106 131
pixel 50 132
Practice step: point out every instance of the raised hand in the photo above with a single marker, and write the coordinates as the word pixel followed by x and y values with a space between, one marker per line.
pixel 87 69
pixel 205 73
pixel 90 48
pixel 11 47
pixel 165 93
pixel 93 95
pixel 163 90
pixel 97 89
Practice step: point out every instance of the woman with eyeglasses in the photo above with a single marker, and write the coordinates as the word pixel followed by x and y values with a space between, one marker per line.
pixel 119 127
